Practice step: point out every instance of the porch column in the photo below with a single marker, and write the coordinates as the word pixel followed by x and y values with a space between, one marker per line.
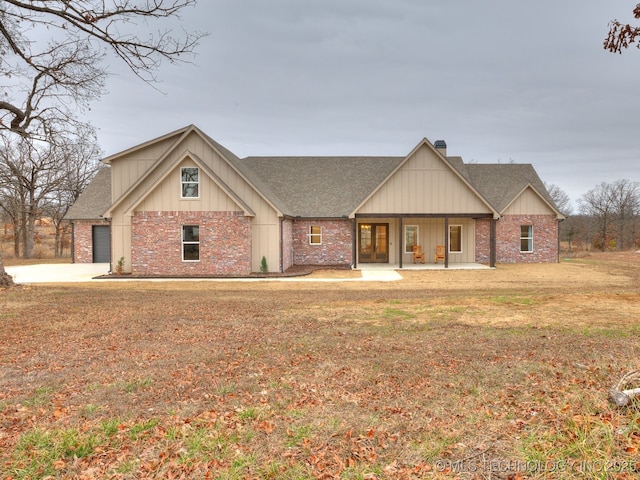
pixel 446 242
pixel 400 243
pixel 492 243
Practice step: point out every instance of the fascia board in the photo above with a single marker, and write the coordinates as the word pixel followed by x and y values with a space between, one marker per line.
pixel 162 138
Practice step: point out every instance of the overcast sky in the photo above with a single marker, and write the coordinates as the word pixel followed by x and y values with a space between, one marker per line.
pixel 498 80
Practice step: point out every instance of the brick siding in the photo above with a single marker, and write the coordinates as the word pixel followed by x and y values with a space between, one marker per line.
pixel 545 239
pixel 83 240
pixel 336 247
pixel 156 244
pixel 483 240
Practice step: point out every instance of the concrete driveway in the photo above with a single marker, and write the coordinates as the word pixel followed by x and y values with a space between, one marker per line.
pixel 57 273
pixel 86 272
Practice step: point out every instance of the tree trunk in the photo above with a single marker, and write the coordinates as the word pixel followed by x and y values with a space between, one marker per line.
pixel 5 279
pixel 17 232
pixel 57 245
pixel 29 246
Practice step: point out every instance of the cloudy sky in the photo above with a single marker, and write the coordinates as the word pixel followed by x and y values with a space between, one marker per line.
pixel 498 80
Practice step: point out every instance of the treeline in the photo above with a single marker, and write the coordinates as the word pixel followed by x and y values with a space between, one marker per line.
pixel 608 219
pixel 41 181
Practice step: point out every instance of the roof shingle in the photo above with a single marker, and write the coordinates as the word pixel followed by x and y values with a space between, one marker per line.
pixel 94 200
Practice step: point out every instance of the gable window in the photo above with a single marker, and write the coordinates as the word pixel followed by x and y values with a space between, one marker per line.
pixel 315 235
pixel 410 238
pixel 455 238
pixel 189 182
pixel 190 243
pixel 526 238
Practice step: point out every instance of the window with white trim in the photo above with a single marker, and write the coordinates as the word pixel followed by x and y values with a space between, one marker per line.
pixel 526 238
pixel 190 243
pixel 410 237
pixel 189 182
pixel 315 235
pixel 455 238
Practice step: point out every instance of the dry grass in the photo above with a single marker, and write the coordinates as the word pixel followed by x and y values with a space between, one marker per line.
pixel 44 247
pixel 496 374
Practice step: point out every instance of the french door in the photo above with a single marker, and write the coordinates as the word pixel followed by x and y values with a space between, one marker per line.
pixel 373 244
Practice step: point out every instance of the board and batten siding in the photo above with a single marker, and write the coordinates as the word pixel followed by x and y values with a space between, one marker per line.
pixel 425 184
pixel 128 169
pixel 166 196
pixel 528 203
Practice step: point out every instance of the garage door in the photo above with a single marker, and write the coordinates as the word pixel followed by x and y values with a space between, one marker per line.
pixel 101 244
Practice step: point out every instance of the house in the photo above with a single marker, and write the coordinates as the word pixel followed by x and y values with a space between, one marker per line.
pixel 183 205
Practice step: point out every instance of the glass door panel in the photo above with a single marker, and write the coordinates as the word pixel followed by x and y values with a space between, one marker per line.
pixel 373 245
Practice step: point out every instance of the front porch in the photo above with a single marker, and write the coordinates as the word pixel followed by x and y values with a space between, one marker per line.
pixel 388 240
pixel 421 266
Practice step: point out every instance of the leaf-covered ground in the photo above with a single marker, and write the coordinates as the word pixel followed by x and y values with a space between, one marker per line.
pixel 470 374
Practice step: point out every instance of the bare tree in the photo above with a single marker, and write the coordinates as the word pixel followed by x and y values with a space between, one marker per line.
pixel 598 203
pixel 51 54
pixel 13 196
pixel 615 210
pixel 621 35
pixel 626 198
pixel 79 162
pixel 560 198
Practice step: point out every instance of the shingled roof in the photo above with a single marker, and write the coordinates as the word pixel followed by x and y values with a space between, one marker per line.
pixel 319 186
pixel 500 183
pixel 327 187
pixel 94 200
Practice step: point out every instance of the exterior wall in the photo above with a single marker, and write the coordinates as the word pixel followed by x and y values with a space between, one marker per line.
pixel 431 233
pixel 336 247
pixel 225 244
pixel 528 203
pixel 287 244
pixel 424 184
pixel 83 240
pixel 160 191
pixel 166 195
pixel 127 170
pixel 545 239
pixel 483 240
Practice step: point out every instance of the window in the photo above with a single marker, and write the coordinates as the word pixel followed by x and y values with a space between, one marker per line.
pixel 526 238
pixel 189 182
pixel 315 235
pixel 455 238
pixel 410 238
pixel 190 243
